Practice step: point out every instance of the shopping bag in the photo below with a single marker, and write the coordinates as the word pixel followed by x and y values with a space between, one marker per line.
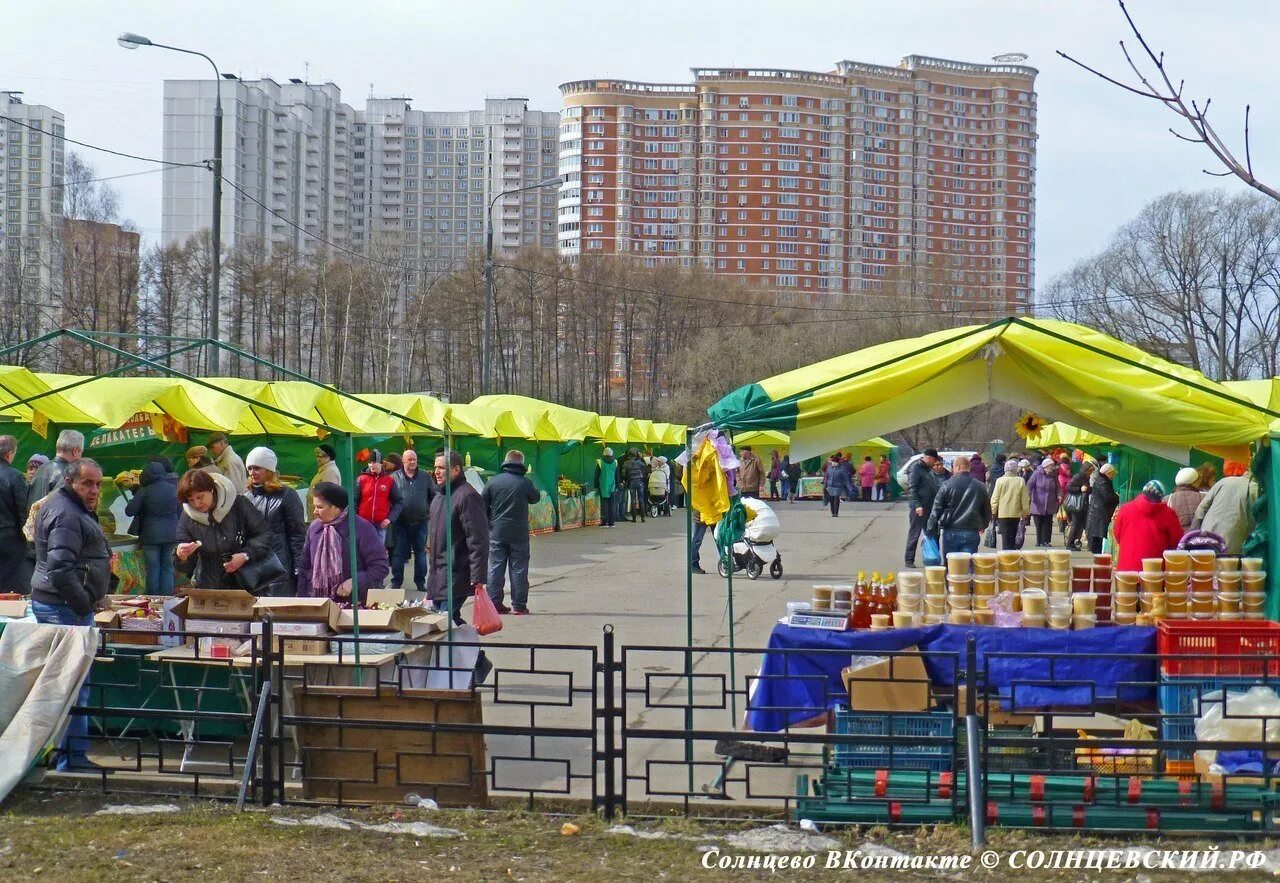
pixel 485 616
pixel 929 549
pixel 990 539
pixel 1021 536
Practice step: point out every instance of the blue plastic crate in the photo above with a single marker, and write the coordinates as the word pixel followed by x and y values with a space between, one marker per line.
pixel 1182 696
pixel 897 755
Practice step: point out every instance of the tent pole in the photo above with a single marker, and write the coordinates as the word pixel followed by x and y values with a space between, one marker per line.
pixel 448 543
pixel 688 599
pixel 1273 528
pixel 352 550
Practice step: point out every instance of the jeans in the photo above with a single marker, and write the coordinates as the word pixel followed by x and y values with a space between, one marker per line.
pixel 72 751
pixel 607 510
pixel 636 501
pixel 1008 532
pixel 515 555
pixel 411 538
pixel 786 489
pixel 866 493
pixel 773 488
pixel 834 501
pixel 960 541
pixel 699 532
pixel 159 560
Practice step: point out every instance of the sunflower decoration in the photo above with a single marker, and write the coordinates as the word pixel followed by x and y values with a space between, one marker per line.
pixel 1029 425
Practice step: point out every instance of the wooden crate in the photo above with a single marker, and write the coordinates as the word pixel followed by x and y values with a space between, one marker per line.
pixel 373 765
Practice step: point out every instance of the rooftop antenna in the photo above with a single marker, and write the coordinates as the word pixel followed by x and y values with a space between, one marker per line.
pixel 1010 58
pixel 306 72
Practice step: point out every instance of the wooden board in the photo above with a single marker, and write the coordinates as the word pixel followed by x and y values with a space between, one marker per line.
pixel 374 765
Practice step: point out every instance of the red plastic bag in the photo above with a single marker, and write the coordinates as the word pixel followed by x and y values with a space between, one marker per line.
pixel 485 616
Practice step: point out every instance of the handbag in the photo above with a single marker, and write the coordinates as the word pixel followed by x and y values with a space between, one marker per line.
pixel 1074 502
pixel 990 539
pixel 255 576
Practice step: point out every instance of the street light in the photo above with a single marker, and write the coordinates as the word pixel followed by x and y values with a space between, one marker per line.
pixel 486 345
pixel 133 41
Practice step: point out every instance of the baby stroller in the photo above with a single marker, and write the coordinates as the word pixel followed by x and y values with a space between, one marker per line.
pixel 755 552
pixel 659 496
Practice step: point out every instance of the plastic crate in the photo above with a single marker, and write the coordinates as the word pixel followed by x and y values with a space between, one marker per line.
pixel 1182 696
pixel 896 755
pixel 1229 640
pixel 1010 758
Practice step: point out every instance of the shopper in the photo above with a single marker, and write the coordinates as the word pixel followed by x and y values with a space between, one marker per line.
pixel 507 498
pixel 1103 501
pixel 1077 503
pixel 324 566
pixel 219 531
pixel 417 490
pixel 866 478
pixel 1145 528
pixel 72 577
pixel 1208 475
pixel 922 486
pixel 882 479
pixel 1186 497
pixel 281 509
pixel 750 472
pixel 49 477
pixel 377 498
pixel 1043 490
pixel 154 508
pixel 228 461
pixel 466 524
pixel 606 485
pixel 961 510
pixel 775 475
pixel 1010 504
pixel 837 482
pixel 326 470
pixel 15 567
pixel 978 468
pixel 635 476
pixel 1227 509
pixel 794 474
pixel 197 457
pixel 34 462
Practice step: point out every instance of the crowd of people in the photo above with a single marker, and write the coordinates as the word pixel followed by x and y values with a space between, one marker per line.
pixel 955 507
pixel 636 486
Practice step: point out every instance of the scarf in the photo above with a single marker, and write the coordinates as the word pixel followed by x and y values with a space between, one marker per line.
pixel 326 560
pixel 224 497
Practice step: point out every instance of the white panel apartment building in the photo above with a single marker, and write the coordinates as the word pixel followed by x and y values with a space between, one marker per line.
pixel 429 175
pixel 31 157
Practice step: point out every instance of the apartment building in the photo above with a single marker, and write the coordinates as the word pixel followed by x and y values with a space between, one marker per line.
pixel 285 162
pixel 917 179
pixel 31 156
pixel 422 180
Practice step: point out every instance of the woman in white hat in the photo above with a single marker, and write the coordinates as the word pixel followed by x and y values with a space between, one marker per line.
pixel 1186 496
pixel 281 508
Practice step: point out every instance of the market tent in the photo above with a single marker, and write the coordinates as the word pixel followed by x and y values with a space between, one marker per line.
pixel 766 439
pixel 18 384
pixel 1060 370
pixel 1063 435
pixel 570 423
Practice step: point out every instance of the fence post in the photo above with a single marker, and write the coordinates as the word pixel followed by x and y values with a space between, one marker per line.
pixel 266 677
pixel 974 755
pixel 608 714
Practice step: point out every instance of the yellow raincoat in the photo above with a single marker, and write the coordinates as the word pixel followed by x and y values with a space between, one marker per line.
pixel 709 495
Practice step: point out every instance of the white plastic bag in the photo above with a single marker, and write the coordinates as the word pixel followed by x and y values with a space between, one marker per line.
pixel 1247 717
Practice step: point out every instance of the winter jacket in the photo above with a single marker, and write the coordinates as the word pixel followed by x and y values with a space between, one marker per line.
pixel 1102 504
pixel 1144 529
pixel 606 480
pixel 1080 484
pixel 282 512
pixel 48 478
pixel 13 499
pixel 794 471
pixel 230 465
pixel 961 504
pixel 1044 488
pixel 634 472
pixel 469 524
pixel 416 494
pixel 978 469
pixel 155 506
pixel 775 467
pixel 867 474
pixel 1184 501
pixel 507 498
pixel 371 556
pixel 73 558
pixel 328 472
pixel 1011 498
pixel 882 472
pixel 838 478
pixel 233 525
pixel 1227 510
pixel 1064 479
pixel 377 497
pixel 750 473
pixel 922 486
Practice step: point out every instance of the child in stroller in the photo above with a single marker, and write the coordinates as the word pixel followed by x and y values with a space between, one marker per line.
pixel 659 487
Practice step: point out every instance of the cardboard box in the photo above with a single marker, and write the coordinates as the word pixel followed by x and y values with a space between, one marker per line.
pixel 993 712
pixel 394 597
pixel 222 647
pixel 219 604
pixel 105 619
pixel 305 647
pixel 293 629
pixel 218 626
pixel 379 620
pixel 297 610
pixel 881 683
pixel 14 609
pixel 172 621
pixel 426 624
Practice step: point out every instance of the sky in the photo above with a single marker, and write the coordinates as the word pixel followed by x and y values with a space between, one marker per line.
pixel 1102 153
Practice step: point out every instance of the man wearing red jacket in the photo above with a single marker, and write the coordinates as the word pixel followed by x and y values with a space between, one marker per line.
pixel 378 499
pixel 1145 528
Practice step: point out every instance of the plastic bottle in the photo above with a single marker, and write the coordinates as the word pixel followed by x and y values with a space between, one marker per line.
pixel 860 616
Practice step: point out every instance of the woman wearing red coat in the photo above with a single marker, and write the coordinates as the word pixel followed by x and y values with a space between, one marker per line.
pixel 1145 528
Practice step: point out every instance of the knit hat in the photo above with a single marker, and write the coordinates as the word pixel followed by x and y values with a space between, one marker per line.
pixel 1108 469
pixel 1023 464
pixel 1153 490
pixel 1010 467
pixel 1187 477
pixel 37 460
pixel 263 457
pixel 1046 463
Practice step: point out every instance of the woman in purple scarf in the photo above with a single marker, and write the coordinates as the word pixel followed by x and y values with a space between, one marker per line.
pixel 324 568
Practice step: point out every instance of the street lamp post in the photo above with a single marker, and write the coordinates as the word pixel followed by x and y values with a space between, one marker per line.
pixel 133 41
pixel 486 344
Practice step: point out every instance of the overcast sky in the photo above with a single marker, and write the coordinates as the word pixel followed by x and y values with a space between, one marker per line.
pixel 1102 153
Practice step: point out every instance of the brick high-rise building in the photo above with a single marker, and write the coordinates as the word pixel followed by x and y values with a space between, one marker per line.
pixel 917 179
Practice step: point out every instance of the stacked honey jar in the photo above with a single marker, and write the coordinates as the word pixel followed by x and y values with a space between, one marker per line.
pixel 1190 584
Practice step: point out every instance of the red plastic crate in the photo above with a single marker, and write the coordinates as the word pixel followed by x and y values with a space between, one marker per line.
pixel 1230 641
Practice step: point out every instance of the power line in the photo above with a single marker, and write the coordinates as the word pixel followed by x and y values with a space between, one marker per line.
pixel 89 146
pixel 17 189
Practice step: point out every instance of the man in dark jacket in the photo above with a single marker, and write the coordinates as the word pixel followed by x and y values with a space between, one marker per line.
pixel 922 487
pixel 417 490
pixel 48 478
pixel 15 571
pixel 468 523
pixel 635 476
pixel 154 509
pixel 1077 503
pixel 961 509
pixel 507 497
pixel 72 576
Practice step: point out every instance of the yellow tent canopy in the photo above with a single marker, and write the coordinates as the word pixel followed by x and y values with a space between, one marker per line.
pixel 1061 435
pixel 1061 371
pixel 766 439
pixel 571 424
